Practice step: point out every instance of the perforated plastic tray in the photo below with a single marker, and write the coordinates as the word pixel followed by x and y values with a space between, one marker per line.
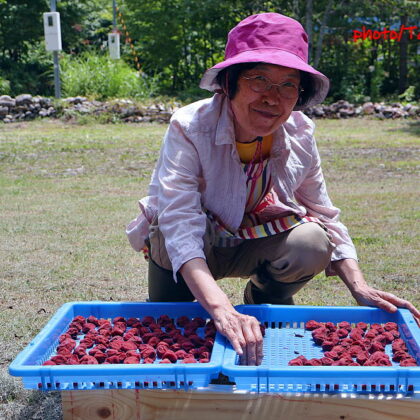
pixel 28 364
pixel 286 338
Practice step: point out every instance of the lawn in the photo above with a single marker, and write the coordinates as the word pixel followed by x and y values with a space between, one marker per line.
pixel 68 190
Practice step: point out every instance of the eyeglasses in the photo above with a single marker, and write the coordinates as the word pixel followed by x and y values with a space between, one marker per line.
pixel 260 84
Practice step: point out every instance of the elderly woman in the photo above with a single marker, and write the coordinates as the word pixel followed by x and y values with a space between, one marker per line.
pixel 238 190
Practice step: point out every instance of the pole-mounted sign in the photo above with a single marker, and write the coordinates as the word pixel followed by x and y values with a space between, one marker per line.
pixel 52 31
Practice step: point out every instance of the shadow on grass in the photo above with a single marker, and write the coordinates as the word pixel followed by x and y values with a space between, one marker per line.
pixel 413 127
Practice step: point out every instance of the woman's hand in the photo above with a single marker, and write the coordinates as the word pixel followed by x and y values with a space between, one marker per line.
pixel 243 332
pixel 350 273
pixel 368 296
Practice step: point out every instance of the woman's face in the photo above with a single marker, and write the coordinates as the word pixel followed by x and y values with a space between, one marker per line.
pixel 260 114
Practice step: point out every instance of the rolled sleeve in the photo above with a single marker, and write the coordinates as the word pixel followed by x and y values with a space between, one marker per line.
pixel 181 218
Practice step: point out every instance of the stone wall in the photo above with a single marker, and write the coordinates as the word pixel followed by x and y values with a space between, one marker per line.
pixel 27 107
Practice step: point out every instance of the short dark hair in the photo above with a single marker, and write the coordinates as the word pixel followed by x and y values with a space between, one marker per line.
pixel 228 81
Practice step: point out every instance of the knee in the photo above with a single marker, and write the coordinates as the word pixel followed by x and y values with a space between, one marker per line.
pixel 307 252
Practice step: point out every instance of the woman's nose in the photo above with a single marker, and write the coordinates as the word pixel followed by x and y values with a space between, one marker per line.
pixel 271 96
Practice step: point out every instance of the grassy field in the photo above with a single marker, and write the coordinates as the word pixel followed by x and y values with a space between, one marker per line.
pixel 67 191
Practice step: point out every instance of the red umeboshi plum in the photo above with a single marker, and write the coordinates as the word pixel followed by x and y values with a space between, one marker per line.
pixel 148 353
pixel 88 327
pixel 164 320
pixel 410 361
pixel 362 325
pixel 344 324
pixel 362 357
pixel 147 320
pixel 372 333
pixel 330 326
pixel 187 345
pixel 400 355
pixel 332 355
pixel 100 356
pixel 161 350
pixel 342 333
pixel 132 360
pixel 182 321
pixel 49 363
pixel 376 346
pixel 114 360
pixel 312 325
pixel 170 355
pixel 390 326
pixel 116 344
pixel 165 361
pixel 176 346
pixel 356 333
pixel 200 322
pixel 326 361
pixel 189 360
pixel 204 360
pixel 88 360
pixel 148 361
pixel 181 354
pixel 132 321
pixel 327 345
pixel 128 345
pixel 377 327
pixel 313 362
pixel 296 362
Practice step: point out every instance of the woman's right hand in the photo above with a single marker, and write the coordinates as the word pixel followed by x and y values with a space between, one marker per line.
pixel 243 332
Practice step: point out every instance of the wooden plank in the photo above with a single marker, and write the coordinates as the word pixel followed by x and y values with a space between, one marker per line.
pixel 193 405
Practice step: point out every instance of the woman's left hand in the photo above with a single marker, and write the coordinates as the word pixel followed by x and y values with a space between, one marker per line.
pixel 369 296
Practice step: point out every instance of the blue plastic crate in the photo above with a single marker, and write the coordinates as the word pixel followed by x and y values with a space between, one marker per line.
pixel 28 364
pixel 286 338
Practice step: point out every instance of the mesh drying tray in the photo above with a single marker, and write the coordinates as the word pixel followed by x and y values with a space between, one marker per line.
pixel 286 338
pixel 28 364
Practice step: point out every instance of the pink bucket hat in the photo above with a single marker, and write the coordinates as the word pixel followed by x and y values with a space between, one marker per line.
pixel 269 38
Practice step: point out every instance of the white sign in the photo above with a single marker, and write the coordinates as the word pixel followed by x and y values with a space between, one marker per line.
pixel 114 45
pixel 52 31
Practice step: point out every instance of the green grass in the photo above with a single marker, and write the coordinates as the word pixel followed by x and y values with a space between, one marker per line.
pixel 67 191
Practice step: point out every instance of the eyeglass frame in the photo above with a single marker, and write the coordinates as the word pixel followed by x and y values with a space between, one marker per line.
pixel 270 84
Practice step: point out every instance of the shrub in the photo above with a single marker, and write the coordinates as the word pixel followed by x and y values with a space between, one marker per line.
pixel 96 75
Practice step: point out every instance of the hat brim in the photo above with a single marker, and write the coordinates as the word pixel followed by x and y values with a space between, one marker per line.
pixel 274 56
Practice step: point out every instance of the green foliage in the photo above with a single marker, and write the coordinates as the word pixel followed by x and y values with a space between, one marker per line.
pixel 4 86
pixel 408 95
pixel 96 75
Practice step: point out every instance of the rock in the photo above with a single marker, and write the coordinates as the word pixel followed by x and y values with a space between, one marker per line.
pixel 318 111
pixel 6 100
pixel 43 112
pixel 368 108
pixel 413 111
pixel 4 110
pixel 75 100
pixel 23 99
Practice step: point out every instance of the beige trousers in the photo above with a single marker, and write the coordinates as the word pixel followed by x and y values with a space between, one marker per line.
pixel 278 265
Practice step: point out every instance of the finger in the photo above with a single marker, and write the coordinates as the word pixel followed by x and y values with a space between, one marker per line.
pixel 251 340
pixel 402 303
pixel 259 342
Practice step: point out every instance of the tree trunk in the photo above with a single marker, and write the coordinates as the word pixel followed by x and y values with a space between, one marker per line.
pixel 321 33
pixel 402 82
pixel 308 26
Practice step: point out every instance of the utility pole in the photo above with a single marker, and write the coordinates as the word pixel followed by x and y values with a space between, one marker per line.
pixel 57 84
pixel 114 14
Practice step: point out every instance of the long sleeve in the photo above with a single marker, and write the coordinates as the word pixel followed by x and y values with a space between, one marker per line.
pixel 181 219
pixel 313 195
